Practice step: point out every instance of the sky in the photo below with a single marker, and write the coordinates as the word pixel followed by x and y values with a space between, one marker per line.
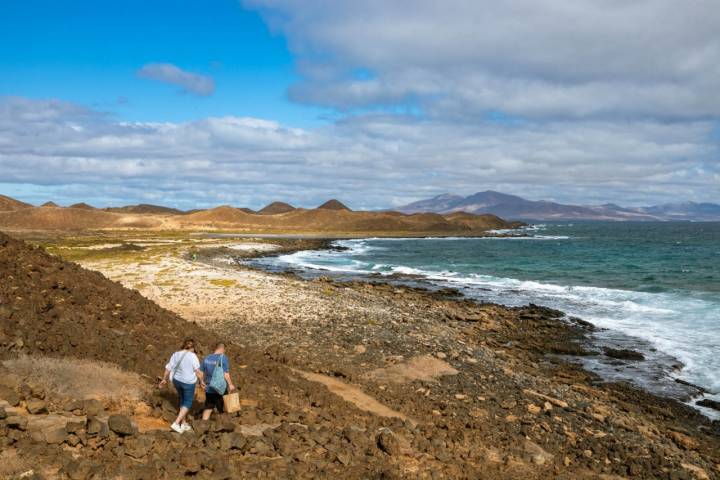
pixel 377 103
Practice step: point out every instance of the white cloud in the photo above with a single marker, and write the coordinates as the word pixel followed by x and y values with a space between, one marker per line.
pixel 550 59
pixel 368 161
pixel 188 82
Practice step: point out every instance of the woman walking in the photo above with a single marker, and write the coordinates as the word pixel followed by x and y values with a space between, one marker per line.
pixel 184 371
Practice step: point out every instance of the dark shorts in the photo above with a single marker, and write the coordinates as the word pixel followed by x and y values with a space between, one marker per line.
pixel 214 400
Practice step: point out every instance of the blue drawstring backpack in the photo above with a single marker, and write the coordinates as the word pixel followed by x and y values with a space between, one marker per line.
pixel 217 381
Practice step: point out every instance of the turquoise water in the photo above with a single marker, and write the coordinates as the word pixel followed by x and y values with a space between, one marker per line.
pixel 655 282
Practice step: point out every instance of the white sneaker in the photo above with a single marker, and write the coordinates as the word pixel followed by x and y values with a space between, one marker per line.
pixel 177 428
pixel 186 427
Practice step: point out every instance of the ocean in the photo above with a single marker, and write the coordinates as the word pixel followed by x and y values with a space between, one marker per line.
pixel 652 287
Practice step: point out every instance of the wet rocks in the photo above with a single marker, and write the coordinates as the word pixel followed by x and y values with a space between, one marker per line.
pixel 708 403
pixel 623 354
pixel 121 425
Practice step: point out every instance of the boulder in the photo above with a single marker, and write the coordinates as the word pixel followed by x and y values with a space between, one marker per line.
pixel 17 422
pixel 74 427
pixel 534 453
pixel 79 469
pixel 97 427
pixel 54 435
pixel 707 403
pixel 623 354
pixel 92 407
pixel 9 395
pixel 388 442
pixel 121 425
pixel 3 413
pixel 36 406
pixel 138 446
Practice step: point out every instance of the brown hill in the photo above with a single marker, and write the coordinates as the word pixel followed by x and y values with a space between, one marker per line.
pixel 54 218
pixel 485 221
pixel 10 204
pixel 82 206
pixel 50 204
pixel 321 220
pixel 144 209
pixel 276 208
pixel 222 214
pixel 333 205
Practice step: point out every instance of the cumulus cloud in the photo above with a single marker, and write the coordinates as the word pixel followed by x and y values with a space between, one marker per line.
pixel 189 82
pixel 458 59
pixel 369 161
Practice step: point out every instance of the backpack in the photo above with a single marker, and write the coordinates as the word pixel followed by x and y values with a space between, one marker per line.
pixel 217 381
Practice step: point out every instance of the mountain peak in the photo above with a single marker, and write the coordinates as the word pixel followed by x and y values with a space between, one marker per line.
pixel 275 208
pixel 333 205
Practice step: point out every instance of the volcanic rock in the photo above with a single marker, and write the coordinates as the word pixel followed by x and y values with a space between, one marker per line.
pixel 623 354
pixel 121 425
pixel 17 422
pixel 708 403
pixel 388 442
pixel 36 406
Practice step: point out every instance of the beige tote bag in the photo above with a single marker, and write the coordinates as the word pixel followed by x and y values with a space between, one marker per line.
pixel 231 402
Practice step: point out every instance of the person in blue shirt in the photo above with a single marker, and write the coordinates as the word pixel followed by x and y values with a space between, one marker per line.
pixel 214 399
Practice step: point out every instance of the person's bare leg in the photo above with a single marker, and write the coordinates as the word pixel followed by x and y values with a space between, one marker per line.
pixel 206 414
pixel 181 415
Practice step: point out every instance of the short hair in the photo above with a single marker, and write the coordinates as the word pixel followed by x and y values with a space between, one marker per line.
pixel 219 344
pixel 187 344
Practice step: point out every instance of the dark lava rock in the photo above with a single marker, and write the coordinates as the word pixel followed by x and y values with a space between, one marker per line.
pixel 74 427
pixel 706 402
pixel 138 447
pixel 388 442
pixel 96 427
pixel 78 469
pixel 623 354
pixel 121 425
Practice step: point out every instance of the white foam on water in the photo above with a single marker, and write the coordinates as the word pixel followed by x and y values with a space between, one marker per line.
pixel 680 325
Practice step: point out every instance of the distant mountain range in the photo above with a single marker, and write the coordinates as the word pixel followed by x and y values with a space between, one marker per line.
pixel 518 208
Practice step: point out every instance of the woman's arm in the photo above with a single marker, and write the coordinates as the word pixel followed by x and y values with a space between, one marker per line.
pixel 164 380
pixel 201 377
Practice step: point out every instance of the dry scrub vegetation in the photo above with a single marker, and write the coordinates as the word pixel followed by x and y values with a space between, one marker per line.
pixel 69 378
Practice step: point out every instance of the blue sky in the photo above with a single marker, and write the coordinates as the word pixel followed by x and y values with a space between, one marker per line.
pixel 194 104
pixel 89 52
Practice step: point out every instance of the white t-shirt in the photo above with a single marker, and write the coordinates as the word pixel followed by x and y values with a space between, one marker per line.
pixel 182 366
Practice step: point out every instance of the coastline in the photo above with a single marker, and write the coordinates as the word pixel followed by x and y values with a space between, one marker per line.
pixel 509 383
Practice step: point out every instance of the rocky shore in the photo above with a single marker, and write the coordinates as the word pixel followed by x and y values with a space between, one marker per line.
pixel 350 379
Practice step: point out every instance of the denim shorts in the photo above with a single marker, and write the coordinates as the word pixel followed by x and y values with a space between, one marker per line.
pixel 186 392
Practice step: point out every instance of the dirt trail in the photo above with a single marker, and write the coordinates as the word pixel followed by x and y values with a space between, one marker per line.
pixel 354 395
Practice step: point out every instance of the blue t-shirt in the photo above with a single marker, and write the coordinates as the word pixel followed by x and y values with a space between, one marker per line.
pixel 209 364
